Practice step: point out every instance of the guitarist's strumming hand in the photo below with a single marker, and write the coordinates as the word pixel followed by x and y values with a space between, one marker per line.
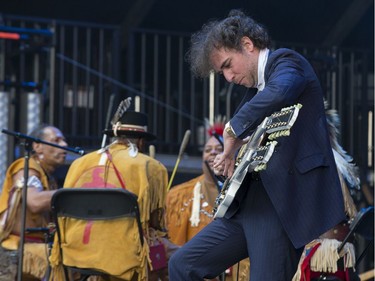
pixel 224 162
pixel 254 154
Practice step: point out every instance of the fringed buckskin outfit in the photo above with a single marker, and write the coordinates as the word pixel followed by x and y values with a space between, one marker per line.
pixel 320 256
pixel 181 225
pixel 142 175
pixel 35 259
pixel 189 210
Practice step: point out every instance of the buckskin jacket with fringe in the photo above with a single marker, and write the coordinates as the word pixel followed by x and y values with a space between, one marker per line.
pixel 35 260
pixel 145 177
pixel 179 210
pixel 179 219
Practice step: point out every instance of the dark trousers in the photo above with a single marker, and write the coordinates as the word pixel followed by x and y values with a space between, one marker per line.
pixel 254 230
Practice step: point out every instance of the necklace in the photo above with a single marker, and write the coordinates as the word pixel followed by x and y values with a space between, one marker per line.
pixel 204 207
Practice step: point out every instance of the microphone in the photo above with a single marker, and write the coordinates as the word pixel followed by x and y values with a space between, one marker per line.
pixel 32 139
pixel 80 151
pixel 77 150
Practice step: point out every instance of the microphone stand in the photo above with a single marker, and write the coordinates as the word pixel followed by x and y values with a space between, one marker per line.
pixel 28 148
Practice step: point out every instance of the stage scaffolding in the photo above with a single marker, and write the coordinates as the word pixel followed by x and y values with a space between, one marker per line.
pixel 73 74
pixel 79 74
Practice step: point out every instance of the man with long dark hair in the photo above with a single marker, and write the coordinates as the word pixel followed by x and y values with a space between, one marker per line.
pixel 298 197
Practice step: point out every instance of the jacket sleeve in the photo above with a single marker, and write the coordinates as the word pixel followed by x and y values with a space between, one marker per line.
pixel 285 81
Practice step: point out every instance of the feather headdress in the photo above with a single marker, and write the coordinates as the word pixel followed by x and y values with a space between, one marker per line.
pixel 129 123
pixel 343 160
pixel 216 128
pixel 123 106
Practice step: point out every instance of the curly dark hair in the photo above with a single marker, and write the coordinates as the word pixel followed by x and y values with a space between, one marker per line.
pixel 226 33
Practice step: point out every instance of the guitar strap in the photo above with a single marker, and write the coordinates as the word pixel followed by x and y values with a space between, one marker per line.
pixel 109 156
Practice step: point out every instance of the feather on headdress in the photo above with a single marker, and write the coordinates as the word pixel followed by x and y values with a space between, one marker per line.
pixel 129 123
pixel 123 106
pixel 216 128
pixel 343 160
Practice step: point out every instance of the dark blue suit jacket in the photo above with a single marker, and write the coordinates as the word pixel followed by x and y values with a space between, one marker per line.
pixel 301 177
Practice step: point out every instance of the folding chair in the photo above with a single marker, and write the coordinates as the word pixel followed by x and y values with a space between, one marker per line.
pixel 362 225
pixel 92 204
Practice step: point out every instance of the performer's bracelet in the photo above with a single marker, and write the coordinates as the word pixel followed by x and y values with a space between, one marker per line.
pixel 229 130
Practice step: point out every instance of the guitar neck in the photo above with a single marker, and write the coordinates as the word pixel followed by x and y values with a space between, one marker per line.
pixel 258 136
pixel 255 140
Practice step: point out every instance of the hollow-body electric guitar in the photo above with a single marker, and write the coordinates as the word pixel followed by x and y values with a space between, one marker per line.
pixel 254 155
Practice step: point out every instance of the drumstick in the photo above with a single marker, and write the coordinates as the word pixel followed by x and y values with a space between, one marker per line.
pixel 182 149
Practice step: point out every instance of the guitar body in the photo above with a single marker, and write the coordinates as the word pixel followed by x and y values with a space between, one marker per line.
pixel 249 161
pixel 228 192
pixel 254 156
